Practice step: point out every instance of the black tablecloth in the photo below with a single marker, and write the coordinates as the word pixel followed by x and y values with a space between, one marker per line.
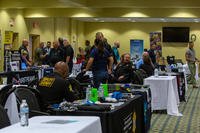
pixel 20 77
pixel 126 118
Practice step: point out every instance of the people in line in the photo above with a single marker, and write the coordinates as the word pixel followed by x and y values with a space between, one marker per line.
pixel 68 54
pixel 101 62
pixel 40 55
pixel 147 65
pixel 116 52
pixel 190 57
pixel 55 88
pixel 56 54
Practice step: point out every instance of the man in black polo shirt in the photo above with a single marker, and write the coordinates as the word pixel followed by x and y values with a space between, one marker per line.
pixel 152 54
pixel 55 88
pixel 56 54
pixel 68 54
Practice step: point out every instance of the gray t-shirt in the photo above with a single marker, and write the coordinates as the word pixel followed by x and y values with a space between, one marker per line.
pixel 191 54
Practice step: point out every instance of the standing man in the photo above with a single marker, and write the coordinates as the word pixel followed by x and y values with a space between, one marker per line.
pixel 191 59
pixel 68 54
pixel 24 47
pixel 56 54
pixel 87 49
pixel 100 37
pixel 116 52
pixel 152 53
pixel 40 55
pixel 48 48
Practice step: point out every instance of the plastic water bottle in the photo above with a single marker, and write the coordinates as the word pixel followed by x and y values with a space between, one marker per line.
pixel 88 94
pixel 156 72
pixel 24 113
pixel 101 92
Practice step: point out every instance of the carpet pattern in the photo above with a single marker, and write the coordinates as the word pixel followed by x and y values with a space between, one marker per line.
pixel 188 123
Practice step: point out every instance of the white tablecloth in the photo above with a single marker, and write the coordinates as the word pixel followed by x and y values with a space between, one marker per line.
pixel 49 124
pixel 164 93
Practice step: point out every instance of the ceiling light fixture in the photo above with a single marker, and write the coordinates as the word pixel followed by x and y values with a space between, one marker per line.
pixel 196 20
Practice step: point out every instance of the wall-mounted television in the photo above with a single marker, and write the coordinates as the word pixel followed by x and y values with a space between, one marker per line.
pixel 175 34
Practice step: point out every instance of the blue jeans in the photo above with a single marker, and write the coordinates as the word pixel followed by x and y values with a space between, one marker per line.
pixel 99 77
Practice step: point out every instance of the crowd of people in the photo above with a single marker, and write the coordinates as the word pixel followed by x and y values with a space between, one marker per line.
pixel 101 58
pixel 104 61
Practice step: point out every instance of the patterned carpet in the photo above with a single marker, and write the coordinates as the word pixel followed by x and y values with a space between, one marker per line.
pixel 188 123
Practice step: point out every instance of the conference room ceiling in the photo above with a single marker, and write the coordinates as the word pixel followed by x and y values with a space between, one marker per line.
pixel 99 4
pixel 110 10
pixel 137 19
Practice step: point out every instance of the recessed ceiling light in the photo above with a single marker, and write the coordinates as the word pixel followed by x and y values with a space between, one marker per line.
pixel 96 19
pixel 164 20
pixel 196 20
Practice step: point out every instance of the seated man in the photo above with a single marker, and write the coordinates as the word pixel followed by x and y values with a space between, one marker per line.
pixel 124 69
pixel 147 66
pixel 55 88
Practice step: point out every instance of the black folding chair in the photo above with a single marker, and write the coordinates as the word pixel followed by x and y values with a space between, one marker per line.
pixel 77 88
pixel 4 93
pixel 31 96
pixel 4 120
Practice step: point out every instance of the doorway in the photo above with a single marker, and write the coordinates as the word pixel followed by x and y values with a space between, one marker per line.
pixel 34 41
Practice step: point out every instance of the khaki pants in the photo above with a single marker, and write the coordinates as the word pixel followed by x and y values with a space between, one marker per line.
pixel 192 69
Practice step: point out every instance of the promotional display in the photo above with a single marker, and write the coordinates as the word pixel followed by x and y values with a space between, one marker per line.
pixel 136 49
pixel 155 38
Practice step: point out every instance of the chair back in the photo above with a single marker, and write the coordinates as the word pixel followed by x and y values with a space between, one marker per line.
pixel 4 120
pixel 23 92
pixel 77 88
pixel 4 93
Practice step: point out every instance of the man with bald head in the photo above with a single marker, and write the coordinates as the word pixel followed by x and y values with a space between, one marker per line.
pixel 55 88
